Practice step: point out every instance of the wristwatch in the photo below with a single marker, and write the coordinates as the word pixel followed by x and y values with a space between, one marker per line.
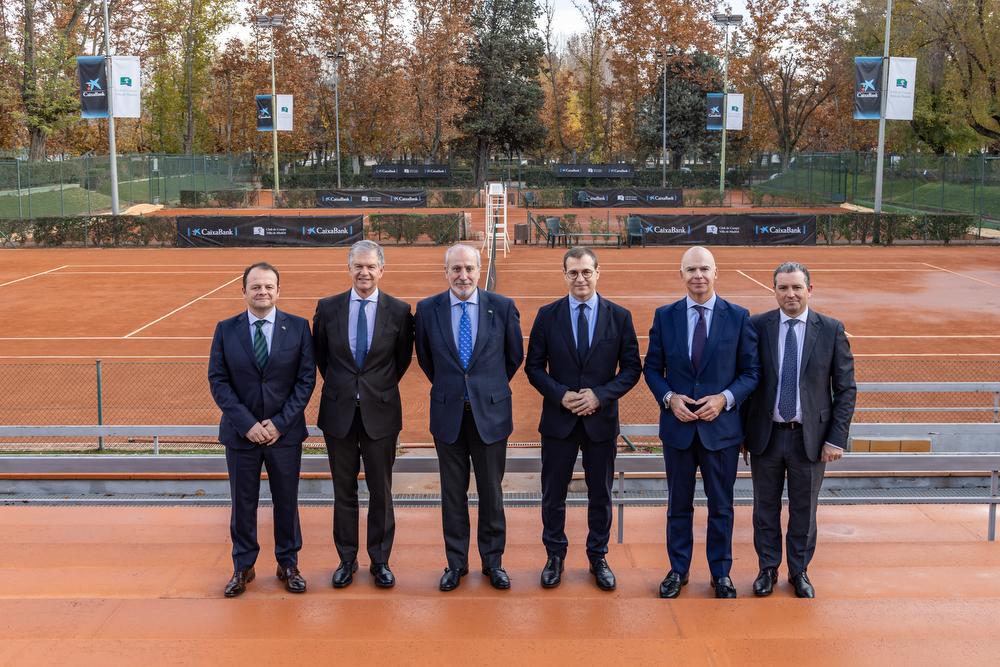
pixel 666 399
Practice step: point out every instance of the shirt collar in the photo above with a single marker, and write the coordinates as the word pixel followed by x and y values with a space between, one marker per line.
pixel 803 316
pixel 574 303
pixel 708 305
pixel 472 300
pixel 357 297
pixel 267 318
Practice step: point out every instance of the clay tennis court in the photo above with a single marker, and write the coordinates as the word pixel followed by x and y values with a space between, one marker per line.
pixel 912 313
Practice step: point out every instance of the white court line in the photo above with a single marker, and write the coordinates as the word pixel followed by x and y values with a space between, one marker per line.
pixel 961 275
pixel 146 326
pixel 934 336
pixel 284 272
pixel 934 354
pixel 104 356
pixel 756 281
pixel 34 275
pixel 659 297
pixel 39 338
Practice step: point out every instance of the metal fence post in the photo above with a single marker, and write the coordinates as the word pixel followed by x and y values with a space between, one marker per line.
pixel 100 404
pixel 996 407
pixel 20 211
pixel 991 532
pixel 621 506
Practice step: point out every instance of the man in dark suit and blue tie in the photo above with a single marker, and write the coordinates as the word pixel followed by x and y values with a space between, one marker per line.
pixel 797 421
pixel 701 365
pixel 364 343
pixel 469 344
pixel 582 357
pixel 261 373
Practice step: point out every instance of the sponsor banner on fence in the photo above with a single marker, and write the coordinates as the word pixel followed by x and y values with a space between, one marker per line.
pixel 593 171
pixel 634 197
pixel 713 109
pixel 734 111
pixel 748 229
pixel 371 198
pixel 93 86
pixel 265 119
pixel 867 88
pixel 269 230
pixel 126 87
pixel 411 171
pixel 901 89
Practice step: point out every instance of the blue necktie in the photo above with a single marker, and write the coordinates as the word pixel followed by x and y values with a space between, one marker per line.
pixel 260 344
pixel 699 338
pixel 465 336
pixel 582 333
pixel 361 337
pixel 789 374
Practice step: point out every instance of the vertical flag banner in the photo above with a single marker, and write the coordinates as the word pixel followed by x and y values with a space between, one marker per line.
pixel 900 92
pixel 867 88
pixel 284 115
pixel 126 86
pixel 734 111
pixel 93 86
pixel 714 111
pixel 265 119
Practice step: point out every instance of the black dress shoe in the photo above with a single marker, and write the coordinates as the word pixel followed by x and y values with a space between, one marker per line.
pixel 238 584
pixel 803 587
pixel 552 572
pixel 603 575
pixel 294 583
pixel 670 587
pixel 498 578
pixel 344 574
pixel 724 587
pixel 763 585
pixel 452 578
pixel 383 575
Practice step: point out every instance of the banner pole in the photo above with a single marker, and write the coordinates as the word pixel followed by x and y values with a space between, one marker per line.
pixel 725 100
pixel 274 121
pixel 113 157
pixel 880 163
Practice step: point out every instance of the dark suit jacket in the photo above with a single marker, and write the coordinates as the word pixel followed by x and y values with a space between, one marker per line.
pixel 247 395
pixel 377 382
pixel 826 384
pixel 611 368
pixel 498 353
pixel 729 361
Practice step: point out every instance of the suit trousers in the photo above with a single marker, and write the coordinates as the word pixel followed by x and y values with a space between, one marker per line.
pixel 488 461
pixel 345 455
pixel 785 457
pixel 718 473
pixel 558 460
pixel 283 465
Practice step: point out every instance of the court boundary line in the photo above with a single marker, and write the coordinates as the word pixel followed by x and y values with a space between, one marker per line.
pixel 961 275
pixel 180 308
pixel 34 275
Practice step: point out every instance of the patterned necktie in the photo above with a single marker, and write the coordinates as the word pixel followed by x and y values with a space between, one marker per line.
pixel 465 336
pixel 789 374
pixel 260 344
pixel 582 333
pixel 699 338
pixel 361 337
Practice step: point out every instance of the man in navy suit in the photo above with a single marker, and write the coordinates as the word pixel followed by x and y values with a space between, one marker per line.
pixel 469 344
pixel 701 365
pixel 261 373
pixel 582 357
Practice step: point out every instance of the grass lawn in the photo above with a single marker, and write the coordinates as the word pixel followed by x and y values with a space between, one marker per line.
pixel 75 201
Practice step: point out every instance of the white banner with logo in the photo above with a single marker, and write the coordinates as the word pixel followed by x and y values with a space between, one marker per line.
pixel 284 114
pixel 734 111
pixel 126 86
pixel 900 91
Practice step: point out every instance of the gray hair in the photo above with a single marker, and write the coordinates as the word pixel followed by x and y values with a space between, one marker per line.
pixel 790 267
pixel 366 246
pixel 459 246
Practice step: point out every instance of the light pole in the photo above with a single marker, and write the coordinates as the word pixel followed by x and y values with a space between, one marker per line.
pixel 661 57
pixel 725 20
pixel 337 56
pixel 112 152
pixel 880 156
pixel 271 22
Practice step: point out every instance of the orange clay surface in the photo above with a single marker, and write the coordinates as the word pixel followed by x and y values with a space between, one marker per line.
pixel 914 585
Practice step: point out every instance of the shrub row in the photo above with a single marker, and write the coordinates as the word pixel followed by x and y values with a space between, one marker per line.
pixel 859 227
pixel 408 228
pixel 218 198
pixel 90 230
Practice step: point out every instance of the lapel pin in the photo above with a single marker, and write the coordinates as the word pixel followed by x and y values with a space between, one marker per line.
pixel 283 328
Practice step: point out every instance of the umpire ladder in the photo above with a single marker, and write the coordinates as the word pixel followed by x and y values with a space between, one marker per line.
pixel 496 219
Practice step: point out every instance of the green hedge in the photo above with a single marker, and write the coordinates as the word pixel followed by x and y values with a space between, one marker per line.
pixel 90 230
pixel 859 227
pixel 218 198
pixel 408 228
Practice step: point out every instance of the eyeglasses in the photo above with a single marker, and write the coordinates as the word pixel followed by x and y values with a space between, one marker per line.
pixel 586 274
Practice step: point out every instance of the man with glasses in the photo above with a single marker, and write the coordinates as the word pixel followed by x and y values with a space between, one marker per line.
pixel 582 357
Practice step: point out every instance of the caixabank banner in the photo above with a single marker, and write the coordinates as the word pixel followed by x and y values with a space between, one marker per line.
pixel 593 171
pixel 745 229
pixel 867 88
pixel 93 75
pixel 215 231
pixel 371 198
pixel 388 171
pixel 620 197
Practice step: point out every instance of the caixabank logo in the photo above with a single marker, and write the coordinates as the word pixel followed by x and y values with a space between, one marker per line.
pixel 327 231
pixel 212 231
pixel 673 229
pixel 334 199
pixel 779 229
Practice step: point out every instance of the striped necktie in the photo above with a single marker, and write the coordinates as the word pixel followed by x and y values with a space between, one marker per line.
pixel 260 344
